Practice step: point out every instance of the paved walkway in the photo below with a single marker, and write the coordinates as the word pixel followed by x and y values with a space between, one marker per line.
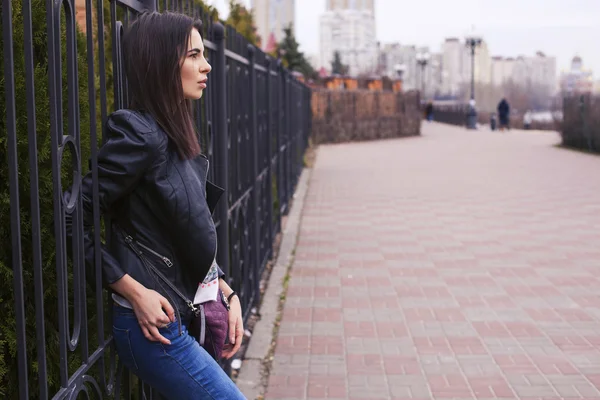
pixel 455 265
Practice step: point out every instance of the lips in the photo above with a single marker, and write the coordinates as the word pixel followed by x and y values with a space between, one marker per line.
pixel 203 83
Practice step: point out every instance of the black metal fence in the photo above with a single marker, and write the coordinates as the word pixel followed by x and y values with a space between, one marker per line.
pixel 254 122
pixel 455 114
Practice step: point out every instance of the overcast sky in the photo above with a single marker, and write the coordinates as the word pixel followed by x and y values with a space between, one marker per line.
pixel 562 28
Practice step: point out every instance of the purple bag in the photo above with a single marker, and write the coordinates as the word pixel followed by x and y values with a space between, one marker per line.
pixel 210 325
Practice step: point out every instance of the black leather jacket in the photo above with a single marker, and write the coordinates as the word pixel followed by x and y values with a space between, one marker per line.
pixel 163 202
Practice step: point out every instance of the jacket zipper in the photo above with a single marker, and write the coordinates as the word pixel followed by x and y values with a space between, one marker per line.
pixel 164 259
pixel 132 243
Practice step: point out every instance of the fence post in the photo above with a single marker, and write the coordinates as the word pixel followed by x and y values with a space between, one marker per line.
pixel 221 141
pixel 354 117
pixel 270 152
pixel 280 127
pixel 309 116
pixel 150 5
pixel 584 127
pixel 289 140
pixel 15 220
pixel 254 130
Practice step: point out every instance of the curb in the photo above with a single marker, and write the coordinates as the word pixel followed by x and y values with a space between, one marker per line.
pixel 250 380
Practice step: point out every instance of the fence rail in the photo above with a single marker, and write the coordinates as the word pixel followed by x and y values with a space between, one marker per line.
pixel 253 123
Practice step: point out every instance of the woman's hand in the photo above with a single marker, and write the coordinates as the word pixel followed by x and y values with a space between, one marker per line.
pixel 236 328
pixel 153 311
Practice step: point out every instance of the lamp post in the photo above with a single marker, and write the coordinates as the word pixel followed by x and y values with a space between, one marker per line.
pixel 472 42
pixel 422 60
pixel 400 69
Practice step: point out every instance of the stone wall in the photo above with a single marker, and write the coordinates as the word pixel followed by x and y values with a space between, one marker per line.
pixel 344 116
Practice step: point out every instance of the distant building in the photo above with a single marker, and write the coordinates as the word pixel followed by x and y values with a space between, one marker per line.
pixel 333 5
pixel 483 64
pixel 456 66
pixel 502 70
pixel 348 27
pixel 395 55
pixel 577 79
pixel 271 17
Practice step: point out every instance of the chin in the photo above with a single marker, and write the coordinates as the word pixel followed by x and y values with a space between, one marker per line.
pixel 194 96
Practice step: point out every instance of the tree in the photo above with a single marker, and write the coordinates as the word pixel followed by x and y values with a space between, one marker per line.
pixel 242 21
pixel 292 57
pixel 337 67
pixel 211 11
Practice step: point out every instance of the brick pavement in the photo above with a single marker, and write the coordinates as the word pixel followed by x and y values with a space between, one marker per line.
pixel 458 265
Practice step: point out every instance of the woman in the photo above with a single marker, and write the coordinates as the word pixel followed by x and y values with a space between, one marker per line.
pixel 152 182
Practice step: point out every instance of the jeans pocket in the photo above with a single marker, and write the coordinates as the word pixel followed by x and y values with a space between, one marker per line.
pixel 171 330
pixel 124 350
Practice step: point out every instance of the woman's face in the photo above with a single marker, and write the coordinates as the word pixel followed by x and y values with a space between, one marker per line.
pixel 194 68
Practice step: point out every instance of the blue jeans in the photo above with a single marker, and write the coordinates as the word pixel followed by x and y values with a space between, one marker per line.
pixel 182 370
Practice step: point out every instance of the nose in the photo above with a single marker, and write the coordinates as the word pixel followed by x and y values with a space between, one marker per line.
pixel 205 67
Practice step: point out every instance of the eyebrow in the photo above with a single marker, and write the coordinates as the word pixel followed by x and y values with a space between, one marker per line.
pixel 195 49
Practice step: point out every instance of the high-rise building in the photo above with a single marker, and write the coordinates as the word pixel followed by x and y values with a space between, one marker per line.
pixel 456 66
pixel 537 73
pixel 348 27
pixel 271 17
pixel 395 55
pixel 543 73
pixel 502 70
pixel 483 64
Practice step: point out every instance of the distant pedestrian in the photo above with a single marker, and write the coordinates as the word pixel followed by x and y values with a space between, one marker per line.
pixel 527 118
pixel 429 112
pixel 493 122
pixel 504 114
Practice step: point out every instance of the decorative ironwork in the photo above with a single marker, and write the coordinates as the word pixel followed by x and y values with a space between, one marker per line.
pixel 253 123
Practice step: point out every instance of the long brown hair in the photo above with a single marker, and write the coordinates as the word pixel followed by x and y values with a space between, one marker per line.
pixel 153 49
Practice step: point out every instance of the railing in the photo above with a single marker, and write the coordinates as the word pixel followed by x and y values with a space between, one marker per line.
pixel 254 123
pixel 450 114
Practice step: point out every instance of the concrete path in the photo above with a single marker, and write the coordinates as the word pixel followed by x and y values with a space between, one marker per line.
pixel 458 264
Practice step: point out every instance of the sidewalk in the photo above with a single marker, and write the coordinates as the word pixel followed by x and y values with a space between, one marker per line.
pixel 458 265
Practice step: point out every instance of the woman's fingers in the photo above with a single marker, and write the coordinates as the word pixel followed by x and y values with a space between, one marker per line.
pixel 157 337
pixel 239 335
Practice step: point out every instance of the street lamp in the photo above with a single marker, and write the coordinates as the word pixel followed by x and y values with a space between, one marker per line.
pixel 400 69
pixel 472 41
pixel 422 60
